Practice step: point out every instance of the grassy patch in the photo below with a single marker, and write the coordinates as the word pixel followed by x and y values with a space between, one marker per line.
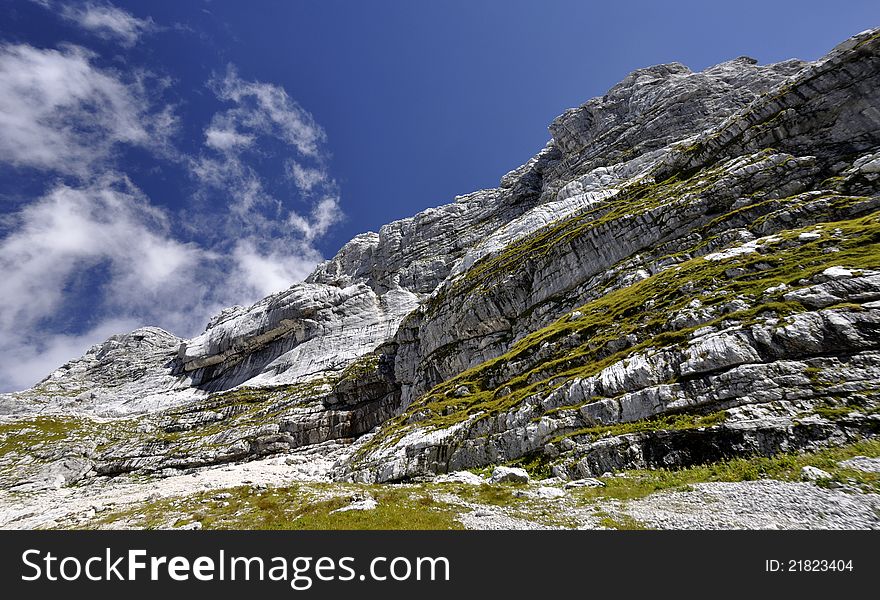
pixel 504 494
pixel 536 464
pixel 293 507
pixel 23 435
pixel 621 522
pixel 784 467
pixel 27 436
pixel 667 423
pixel 361 368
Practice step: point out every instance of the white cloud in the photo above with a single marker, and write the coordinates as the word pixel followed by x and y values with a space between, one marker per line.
pixel 237 183
pixel 71 230
pixel 307 178
pixel 108 22
pixel 324 215
pixel 60 112
pixel 27 361
pixel 148 276
pixel 274 247
pixel 226 139
pixel 259 111
pixel 267 109
pixel 270 271
pixel 151 278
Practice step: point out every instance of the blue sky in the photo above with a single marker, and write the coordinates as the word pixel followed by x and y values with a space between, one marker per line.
pixel 160 160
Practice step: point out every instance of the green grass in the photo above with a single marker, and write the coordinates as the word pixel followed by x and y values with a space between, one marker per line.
pixel 360 368
pixel 832 413
pixel 24 436
pixel 536 464
pixel 621 522
pixel 785 467
pixel 840 405
pixel 291 508
pixel 504 494
pixel 674 422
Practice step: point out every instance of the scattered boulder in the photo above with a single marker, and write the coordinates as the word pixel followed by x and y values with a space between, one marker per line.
pixel 548 493
pixel 509 475
pixel 361 503
pixel 461 391
pixel 586 482
pixel 836 273
pixel 809 473
pixel 465 477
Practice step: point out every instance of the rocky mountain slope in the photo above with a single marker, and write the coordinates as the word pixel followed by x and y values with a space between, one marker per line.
pixel 688 272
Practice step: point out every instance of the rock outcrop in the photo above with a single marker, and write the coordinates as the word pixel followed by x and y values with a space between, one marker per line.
pixel 688 271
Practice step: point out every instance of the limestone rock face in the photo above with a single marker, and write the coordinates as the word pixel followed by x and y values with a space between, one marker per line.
pixel 129 373
pixel 688 271
pixel 297 334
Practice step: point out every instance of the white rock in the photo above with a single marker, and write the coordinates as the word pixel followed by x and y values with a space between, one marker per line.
pixel 585 482
pixel 465 477
pixel 57 474
pixel 548 493
pixel 837 273
pixel 461 391
pixel 368 503
pixel 747 248
pixel 509 475
pixel 775 289
pixel 809 473
pixel 871 167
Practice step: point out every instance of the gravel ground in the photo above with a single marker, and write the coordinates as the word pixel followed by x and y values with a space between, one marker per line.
pixel 862 463
pixel 489 518
pixel 765 504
